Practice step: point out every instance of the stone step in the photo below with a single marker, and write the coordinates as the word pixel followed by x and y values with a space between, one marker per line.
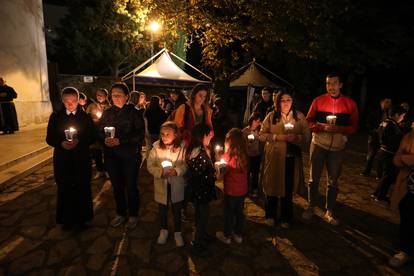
pixel 21 158
pixel 22 166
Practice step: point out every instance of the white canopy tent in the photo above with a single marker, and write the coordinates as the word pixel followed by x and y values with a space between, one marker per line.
pixel 251 78
pixel 163 72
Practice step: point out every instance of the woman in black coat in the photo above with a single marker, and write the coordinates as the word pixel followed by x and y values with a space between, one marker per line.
pixel 122 152
pixel 71 160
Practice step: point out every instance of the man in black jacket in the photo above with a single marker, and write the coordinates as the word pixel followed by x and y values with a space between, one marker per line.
pixel 8 116
pixel 390 135
pixel 263 106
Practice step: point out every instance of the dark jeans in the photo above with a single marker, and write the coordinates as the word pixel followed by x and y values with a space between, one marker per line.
pixel 254 170
pixel 407 224
pixel 176 209
pixel 389 173
pixel 286 202
pixel 202 212
pixel 123 172
pixel 98 158
pixel 233 215
pixel 319 157
pixel 373 147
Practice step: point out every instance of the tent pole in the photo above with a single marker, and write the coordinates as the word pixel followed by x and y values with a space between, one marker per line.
pixel 133 81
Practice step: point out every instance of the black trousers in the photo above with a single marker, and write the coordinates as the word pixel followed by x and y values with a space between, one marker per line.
pixel 406 207
pixel 233 215
pixel 389 173
pixel 123 172
pixel 97 156
pixel 286 202
pixel 176 209
pixel 373 147
pixel 254 170
pixel 202 213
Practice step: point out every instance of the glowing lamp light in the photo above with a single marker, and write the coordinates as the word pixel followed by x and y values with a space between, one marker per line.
pixel 154 26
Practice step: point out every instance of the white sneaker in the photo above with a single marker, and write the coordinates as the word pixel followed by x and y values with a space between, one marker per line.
pixel 269 222
pixel 237 238
pixel 220 235
pixel 308 213
pixel 162 238
pixel 399 259
pixel 285 225
pixel 179 242
pixel 132 223
pixel 118 220
pixel 330 218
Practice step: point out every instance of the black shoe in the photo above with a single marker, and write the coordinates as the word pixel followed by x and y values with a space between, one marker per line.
pixel 200 250
pixel 209 238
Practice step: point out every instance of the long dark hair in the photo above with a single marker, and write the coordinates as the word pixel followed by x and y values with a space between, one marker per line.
pixel 170 125
pixel 180 100
pixel 154 106
pixel 278 113
pixel 198 133
pixel 237 148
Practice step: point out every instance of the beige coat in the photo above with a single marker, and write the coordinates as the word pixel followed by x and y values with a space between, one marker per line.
pixel 177 157
pixel 273 167
pixel 404 160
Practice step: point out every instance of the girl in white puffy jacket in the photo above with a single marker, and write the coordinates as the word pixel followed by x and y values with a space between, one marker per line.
pixel 166 162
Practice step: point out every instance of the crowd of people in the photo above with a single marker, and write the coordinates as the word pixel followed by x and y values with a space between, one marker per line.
pixel 263 158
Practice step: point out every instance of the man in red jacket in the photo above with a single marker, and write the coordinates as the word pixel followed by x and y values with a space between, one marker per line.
pixel 331 118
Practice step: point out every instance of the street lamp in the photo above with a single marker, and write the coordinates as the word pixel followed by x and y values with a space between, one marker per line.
pixel 154 27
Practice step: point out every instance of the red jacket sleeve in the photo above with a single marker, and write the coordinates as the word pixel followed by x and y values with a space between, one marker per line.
pixel 311 117
pixel 354 121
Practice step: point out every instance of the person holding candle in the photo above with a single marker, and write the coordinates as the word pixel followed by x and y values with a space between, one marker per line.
pixel 71 160
pixel 285 132
pixel 122 153
pixel 235 186
pixel 166 162
pixel 329 141
pixel 95 110
pixel 201 186
pixel 195 111
pixel 254 150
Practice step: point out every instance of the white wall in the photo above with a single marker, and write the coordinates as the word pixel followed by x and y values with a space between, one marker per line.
pixel 23 62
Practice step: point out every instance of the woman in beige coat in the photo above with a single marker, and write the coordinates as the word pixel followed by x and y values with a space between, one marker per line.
pixel 403 197
pixel 284 131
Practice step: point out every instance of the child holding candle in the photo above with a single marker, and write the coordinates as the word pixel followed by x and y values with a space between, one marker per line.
pixel 284 131
pixel 95 110
pixel 70 132
pixel 254 150
pixel 166 162
pixel 235 186
pixel 201 187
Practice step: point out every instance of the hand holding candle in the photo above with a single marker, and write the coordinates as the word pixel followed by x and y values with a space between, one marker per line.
pixel 109 132
pixel 220 167
pixel 331 119
pixel 288 127
pixel 250 137
pixel 98 114
pixel 70 134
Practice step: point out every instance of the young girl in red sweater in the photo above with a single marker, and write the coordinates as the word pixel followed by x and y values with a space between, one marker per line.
pixel 235 186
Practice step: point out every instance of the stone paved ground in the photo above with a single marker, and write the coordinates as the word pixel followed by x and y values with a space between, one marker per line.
pixel 31 243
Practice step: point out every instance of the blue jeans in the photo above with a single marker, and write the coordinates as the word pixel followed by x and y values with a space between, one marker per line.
pixel 233 215
pixel 319 157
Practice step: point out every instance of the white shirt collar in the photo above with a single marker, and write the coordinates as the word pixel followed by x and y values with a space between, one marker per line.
pixel 68 112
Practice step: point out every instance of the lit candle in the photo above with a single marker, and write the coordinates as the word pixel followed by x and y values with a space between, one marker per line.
pixel 250 137
pixel 99 114
pixel 109 132
pixel 70 133
pixel 331 119
pixel 166 164
pixel 288 126
pixel 218 148
pixel 220 166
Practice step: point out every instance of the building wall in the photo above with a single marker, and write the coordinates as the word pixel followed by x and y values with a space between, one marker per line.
pixel 23 61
